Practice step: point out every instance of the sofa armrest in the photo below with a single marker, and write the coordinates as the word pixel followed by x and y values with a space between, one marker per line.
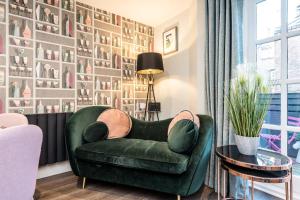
pixel 205 134
pixel 200 156
pixel 74 130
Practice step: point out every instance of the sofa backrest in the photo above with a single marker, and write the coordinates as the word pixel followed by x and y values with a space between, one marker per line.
pixel 12 119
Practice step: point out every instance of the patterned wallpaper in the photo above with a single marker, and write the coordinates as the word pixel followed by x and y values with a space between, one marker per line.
pixel 63 55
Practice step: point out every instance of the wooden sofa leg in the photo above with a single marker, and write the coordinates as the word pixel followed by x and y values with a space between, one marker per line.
pixel 178 197
pixel 83 182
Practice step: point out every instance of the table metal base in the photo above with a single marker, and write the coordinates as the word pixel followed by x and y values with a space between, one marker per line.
pixel 253 176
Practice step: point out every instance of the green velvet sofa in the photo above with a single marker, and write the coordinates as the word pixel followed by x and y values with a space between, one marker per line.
pixel 142 159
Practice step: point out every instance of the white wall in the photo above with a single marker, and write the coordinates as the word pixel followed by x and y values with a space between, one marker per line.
pixel 149 12
pixel 181 86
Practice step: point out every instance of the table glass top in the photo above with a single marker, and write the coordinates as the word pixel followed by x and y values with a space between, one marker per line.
pixel 263 159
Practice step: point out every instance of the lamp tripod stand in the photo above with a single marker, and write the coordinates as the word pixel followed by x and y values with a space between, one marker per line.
pixel 150 95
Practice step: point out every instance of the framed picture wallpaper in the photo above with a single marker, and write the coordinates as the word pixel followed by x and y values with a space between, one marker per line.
pixel 170 40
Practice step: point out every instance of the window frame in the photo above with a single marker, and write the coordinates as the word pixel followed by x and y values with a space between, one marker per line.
pixel 250 50
pixel 250 56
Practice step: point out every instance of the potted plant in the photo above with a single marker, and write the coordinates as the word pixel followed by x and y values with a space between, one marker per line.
pixel 248 103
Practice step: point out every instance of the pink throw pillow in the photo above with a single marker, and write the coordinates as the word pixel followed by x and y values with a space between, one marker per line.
pixel 118 123
pixel 185 114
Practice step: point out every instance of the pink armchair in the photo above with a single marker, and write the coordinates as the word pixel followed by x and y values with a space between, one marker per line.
pixel 12 119
pixel 20 148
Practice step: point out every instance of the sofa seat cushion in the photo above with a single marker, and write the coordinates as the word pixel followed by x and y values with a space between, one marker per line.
pixel 134 153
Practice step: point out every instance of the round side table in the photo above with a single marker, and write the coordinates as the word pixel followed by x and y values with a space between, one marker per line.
pixel 265 166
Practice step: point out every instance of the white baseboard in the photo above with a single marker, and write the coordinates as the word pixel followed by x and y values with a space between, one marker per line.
pixel 276 190
pixel 54 169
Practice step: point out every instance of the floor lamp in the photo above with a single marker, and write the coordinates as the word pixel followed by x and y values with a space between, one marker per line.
pixel 150 64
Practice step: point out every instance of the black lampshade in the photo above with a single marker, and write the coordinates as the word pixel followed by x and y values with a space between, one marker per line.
pixel 149 63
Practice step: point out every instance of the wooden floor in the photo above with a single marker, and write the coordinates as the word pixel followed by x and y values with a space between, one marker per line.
pixel 68 187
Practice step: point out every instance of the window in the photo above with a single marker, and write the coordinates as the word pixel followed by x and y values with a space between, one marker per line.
pixel 278 57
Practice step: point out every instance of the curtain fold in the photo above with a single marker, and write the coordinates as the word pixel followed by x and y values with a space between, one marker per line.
pixel 224 51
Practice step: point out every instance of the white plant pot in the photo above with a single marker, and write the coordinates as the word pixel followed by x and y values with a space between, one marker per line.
pixel 247 145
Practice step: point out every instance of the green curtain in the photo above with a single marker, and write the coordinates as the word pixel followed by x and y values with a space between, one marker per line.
pixel 224 51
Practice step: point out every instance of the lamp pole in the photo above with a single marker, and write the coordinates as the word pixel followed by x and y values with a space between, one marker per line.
pixel 150 94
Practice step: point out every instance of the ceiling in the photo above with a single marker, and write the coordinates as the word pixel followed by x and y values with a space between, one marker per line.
pixel 150 12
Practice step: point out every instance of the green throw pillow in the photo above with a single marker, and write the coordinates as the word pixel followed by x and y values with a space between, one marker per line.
pixel 183 136
pixel 95 132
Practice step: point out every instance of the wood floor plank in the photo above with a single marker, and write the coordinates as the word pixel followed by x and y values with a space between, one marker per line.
pixel 68 187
